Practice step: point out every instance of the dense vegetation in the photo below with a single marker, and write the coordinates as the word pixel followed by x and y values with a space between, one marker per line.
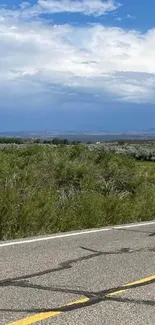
pixel 54 141
pixel 46 189
pixel 142 150
pixel 12 140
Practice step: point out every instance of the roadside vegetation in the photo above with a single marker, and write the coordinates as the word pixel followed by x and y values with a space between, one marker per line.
pixel 140 150
pixel 46 188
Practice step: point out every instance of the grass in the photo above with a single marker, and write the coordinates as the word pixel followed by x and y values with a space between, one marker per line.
pixel 45 189
pixel 146 164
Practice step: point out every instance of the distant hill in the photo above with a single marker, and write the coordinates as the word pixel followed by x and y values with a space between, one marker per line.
pixel 151 130
pixel 83 136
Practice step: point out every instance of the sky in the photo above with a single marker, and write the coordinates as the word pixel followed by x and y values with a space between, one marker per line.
pixel 83 65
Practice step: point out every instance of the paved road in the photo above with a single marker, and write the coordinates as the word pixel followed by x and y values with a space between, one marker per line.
pixel 80 279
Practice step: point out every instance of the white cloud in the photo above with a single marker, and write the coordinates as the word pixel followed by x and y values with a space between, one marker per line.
pixel 95 7
pixel 128 16
pixel 49 61
pixel 86 7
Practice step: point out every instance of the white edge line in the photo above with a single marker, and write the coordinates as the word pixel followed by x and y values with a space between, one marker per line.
pixel 79 233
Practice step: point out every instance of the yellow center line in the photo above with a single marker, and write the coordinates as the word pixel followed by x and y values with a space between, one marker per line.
pixel 141 281
pixel 42 316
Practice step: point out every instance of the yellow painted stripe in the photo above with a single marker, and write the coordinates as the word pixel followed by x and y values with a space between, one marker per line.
pixel 80 301
pixel 35 318
pixel 141 281
pixel 145 280
pixel 42 316
pixel 115 293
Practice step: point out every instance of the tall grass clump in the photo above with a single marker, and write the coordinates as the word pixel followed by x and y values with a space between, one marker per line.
pixel 46 189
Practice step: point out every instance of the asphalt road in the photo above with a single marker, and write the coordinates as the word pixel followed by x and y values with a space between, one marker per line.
pixel 80 278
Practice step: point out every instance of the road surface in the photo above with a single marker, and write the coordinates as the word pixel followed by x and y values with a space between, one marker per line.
pixel 104 276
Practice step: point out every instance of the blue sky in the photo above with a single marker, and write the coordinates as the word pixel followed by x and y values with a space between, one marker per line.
pixel 77 64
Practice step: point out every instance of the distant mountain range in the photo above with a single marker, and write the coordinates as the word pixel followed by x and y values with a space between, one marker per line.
pixel 83 136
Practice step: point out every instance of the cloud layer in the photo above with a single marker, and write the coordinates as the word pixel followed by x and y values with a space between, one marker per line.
pixel 86 7
pixel 41 62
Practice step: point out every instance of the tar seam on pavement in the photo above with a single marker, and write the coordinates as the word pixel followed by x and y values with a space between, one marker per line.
pixel 84 302
pixel 91 298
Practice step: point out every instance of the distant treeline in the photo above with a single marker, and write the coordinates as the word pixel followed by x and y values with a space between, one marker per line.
pixel 122 142
pixel 54 141
pixel 13 140
pixel 58 141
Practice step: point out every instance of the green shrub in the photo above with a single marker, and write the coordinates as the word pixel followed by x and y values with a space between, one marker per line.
pixel 46 189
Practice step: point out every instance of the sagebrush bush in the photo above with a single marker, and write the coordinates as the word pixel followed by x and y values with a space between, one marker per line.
pixel 46 189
